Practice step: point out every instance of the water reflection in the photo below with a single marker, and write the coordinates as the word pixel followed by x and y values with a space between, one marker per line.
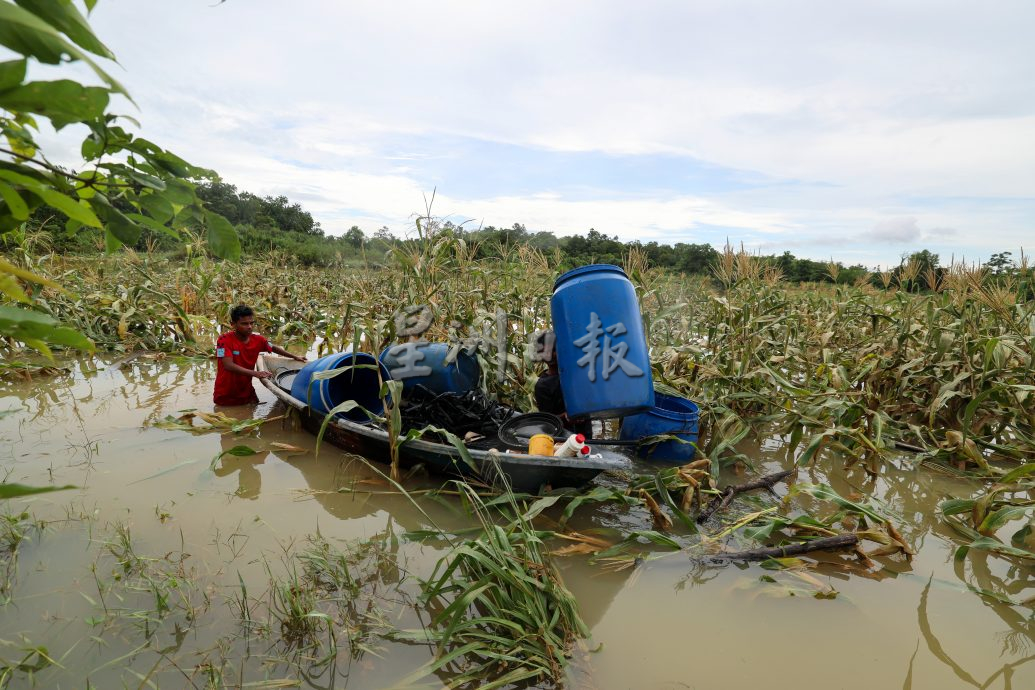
pixel 593 588
pixel 345 486
pixel 249 479
pixel 959 638
pixel 990 586
pixel 939 652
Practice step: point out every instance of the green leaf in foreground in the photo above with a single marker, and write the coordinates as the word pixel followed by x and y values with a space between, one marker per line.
pixel 43 189
pixel 239 451
pixel 116 225
pixel 64 16
pixel 40 330
pixel 62 101
pixel 1000 517
pixel 12 72
pixel 15 204
pixel 222 238
pixel 16 490
pixel 30 35
pixel 633 538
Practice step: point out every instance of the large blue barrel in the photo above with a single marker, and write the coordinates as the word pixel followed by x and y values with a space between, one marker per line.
pixel 670 415
pixel 425 364
pixel 360 384
pixel 601 350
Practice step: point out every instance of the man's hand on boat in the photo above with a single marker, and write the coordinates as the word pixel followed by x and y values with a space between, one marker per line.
pixel 284 353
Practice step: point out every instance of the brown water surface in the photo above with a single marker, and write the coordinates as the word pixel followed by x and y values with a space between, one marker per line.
pixel 672 622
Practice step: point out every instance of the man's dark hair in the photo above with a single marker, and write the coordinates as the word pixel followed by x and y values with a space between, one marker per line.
pixel 239 312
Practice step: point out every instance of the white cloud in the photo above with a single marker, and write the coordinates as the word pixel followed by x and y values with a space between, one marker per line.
pixel 901 230
pixel 839 94
pixel 897 122
pixel 629 219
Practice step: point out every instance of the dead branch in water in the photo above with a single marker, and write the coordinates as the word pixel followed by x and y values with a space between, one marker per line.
pixel 841 541
pixel 721 501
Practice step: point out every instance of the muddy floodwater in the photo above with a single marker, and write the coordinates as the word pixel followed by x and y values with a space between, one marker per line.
pixel 156 570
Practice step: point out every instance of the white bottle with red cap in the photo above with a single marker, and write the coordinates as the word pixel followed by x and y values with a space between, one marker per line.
pixel 574 447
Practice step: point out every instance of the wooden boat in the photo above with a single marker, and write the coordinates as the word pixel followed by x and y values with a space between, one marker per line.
pixel 524 473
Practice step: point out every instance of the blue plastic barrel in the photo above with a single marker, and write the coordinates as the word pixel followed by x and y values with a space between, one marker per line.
pixel 425 364
pixel 670 415
pixel 601 349
pixel 360 384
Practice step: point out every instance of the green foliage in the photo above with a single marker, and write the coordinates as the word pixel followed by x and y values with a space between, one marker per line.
pixel 924 259
pixel 11 490
pixel 15 529
pixel 593 247
pixel 39 331
pixel 355 236
pixel 302 250
pixel 125 185
pixel 1006 505
pixel 276 228
pixel 1000 263
pixel 245 208
pixel 505 616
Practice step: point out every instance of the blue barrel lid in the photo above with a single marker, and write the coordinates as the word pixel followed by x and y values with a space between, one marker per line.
pixel 591 268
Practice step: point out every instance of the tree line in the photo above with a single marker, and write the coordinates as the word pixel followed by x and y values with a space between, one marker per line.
pixel 276 226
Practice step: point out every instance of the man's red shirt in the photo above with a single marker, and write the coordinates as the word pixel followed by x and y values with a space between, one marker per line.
pixel 231 388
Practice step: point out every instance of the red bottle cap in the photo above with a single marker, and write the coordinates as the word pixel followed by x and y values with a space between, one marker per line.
pixel 584 450
pixel 579 438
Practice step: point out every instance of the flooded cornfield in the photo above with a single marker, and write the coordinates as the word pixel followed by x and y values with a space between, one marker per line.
pixel 179 560
pixel 857 507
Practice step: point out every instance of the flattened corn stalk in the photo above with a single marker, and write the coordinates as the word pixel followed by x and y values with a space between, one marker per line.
pixel 842 368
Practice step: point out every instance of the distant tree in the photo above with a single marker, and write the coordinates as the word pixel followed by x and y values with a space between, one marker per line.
pixel 694 258
pixel 927 272
pixel 853 273
pixel 544 241
pixel 354 236
pixel 1000 263
pixel 222 198
pixel 924 259
pixel 516 233
pixel 289 217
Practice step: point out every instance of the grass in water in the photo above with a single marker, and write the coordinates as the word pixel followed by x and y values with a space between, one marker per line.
pixel 503 614
pixel 14 530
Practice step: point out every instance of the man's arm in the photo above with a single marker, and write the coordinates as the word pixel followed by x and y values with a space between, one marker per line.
pixel 229 365
pixel 281 351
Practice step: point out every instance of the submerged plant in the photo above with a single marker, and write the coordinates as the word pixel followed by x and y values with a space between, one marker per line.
pixel 293 603
pixel 14 530
pixel 33 660
pixel 504 615
pixel 1007 504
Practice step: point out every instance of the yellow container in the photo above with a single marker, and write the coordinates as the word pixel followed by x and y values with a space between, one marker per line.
pixel 540 444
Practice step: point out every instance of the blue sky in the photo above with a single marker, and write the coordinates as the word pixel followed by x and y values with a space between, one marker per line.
pixel 856 132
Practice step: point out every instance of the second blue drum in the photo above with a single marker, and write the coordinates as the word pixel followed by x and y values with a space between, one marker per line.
pixel 429 365
pixel 601 349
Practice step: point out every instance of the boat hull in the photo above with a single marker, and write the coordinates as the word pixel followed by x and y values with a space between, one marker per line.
pixel 521 472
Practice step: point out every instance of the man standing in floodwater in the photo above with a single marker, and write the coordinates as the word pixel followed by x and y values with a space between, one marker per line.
pixel 236 355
